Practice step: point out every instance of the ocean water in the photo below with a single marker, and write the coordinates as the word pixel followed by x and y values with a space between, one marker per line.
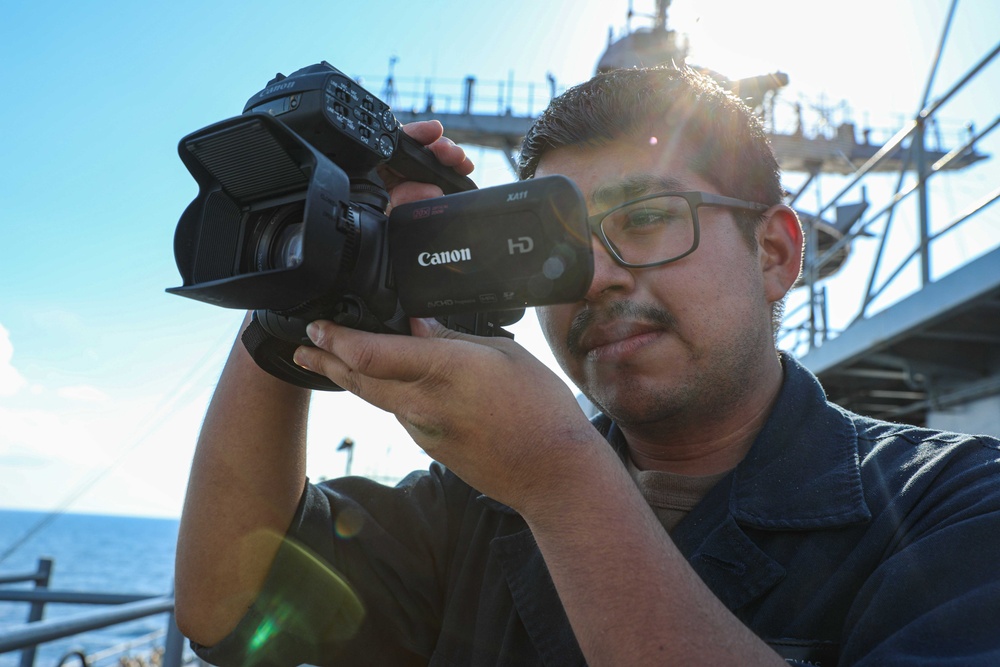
pixel 91 553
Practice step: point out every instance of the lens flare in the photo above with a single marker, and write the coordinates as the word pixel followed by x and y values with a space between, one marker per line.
pixel 349 523
pixel 308 584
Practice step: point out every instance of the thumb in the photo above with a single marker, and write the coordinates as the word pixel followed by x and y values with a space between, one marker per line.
pixel 429 327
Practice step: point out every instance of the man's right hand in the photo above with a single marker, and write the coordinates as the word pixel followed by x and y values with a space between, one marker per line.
pixel 431 134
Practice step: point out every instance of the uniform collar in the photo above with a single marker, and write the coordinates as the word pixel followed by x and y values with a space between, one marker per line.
pixel 803 470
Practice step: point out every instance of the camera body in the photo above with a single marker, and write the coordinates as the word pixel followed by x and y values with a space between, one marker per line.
pixel 290 223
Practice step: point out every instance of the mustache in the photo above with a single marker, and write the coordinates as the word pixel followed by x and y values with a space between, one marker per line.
pixel 616 310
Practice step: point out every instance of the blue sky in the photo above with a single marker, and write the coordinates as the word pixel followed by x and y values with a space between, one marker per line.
pixel 104 378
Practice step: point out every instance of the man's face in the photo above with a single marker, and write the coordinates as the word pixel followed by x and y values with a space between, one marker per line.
pixel 680 341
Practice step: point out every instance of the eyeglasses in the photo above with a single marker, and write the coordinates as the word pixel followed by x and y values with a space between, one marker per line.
pixel 659 228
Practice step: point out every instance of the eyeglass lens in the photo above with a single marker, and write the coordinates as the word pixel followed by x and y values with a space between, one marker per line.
pixel 652 230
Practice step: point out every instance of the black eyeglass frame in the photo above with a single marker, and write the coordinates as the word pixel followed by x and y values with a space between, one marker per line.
pixel 695 199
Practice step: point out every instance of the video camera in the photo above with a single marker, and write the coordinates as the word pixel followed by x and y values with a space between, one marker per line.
pixel 290 222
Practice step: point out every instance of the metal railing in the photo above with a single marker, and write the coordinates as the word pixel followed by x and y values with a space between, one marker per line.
pixel 807 324
pixel 466 96
pixel 126 607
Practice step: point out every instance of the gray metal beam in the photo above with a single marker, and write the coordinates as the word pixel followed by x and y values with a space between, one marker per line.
pixel 969 392
pixel 68 597
pixel 30 634
pixel 498 132
pixel 976 280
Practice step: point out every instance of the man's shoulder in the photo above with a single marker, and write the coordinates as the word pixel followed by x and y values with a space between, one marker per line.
pixel 926 464
pixel 876 433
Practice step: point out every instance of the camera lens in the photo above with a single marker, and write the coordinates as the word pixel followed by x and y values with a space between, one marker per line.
pixel 278 238
pixel 287 250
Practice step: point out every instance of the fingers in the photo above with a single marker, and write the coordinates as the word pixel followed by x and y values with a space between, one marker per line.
pixel 398 374
pixel 383 368
pixel 431 134
pixel 464 399
pixel 428 327
pixel 425 327
pixel 425 131
pixel 349 357
pixel 380 356
pixel 452 155
pixel 405 192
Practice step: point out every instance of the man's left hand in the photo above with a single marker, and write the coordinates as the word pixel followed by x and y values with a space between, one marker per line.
pixel 484 407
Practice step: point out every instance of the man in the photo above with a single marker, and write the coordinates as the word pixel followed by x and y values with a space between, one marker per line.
pixel 736 518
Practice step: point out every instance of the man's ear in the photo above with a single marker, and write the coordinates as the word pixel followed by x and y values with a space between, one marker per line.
pixel 779 243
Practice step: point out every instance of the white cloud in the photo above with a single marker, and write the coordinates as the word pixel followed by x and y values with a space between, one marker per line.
pixel 11 380
pixel 45 435
pixel 117 456
pixel 83 392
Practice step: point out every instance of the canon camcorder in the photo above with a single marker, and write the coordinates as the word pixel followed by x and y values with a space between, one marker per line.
pixel 290 223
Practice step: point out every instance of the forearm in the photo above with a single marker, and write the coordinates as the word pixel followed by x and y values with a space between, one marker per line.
pixel 630 595
pixel 246 480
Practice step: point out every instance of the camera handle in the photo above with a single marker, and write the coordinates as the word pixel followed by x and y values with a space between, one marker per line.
pixel 414 160
pixel 274 355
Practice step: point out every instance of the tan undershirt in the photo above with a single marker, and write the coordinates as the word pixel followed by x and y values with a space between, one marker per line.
pixel 672 495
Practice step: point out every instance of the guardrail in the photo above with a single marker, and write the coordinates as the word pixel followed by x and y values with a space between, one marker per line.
pixel 127 607
pixel 811 328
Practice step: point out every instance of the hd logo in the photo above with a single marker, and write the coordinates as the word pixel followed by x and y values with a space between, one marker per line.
pixel 521 246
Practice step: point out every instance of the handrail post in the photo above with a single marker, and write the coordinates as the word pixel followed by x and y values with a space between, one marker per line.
pixel 173 646
pixel 811 278
pixel 470 82
pixel 37 609
pixel 922 202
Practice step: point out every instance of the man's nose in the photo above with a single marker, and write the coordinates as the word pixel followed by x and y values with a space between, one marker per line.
pixel 609 275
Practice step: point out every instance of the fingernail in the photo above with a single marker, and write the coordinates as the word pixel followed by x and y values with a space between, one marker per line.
pixel 299 357
pixel 314 332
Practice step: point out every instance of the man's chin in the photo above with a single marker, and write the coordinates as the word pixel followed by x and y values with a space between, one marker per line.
pixel 633 405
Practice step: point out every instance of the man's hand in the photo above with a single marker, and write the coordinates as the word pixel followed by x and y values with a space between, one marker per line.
pixel 484 407
pixel 431 134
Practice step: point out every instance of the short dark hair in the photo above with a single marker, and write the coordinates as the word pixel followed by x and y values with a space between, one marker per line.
pixel 727 140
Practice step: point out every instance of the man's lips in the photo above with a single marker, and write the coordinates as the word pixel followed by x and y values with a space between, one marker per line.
pixel 617 338
pixel 620 328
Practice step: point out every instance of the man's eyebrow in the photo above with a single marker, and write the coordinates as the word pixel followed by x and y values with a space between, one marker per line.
pixel 632 187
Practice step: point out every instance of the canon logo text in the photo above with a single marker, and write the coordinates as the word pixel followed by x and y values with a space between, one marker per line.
pixel 447 257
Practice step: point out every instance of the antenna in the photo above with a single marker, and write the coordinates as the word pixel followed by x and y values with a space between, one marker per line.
pixel 389 88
